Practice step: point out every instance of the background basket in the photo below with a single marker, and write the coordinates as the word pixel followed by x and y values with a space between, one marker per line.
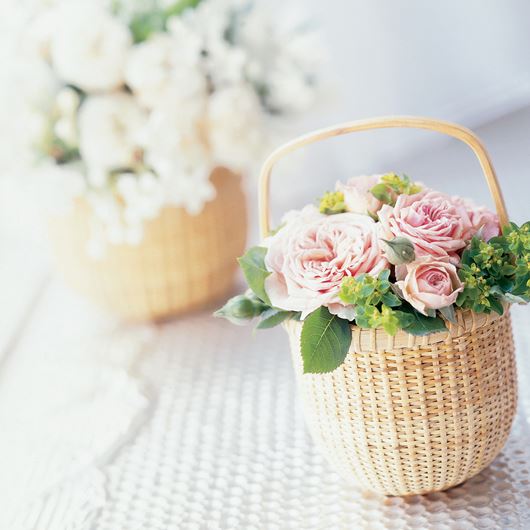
pixel 183 262
pixel 404 414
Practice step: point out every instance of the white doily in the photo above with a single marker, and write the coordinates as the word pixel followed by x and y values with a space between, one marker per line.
pixel 68 399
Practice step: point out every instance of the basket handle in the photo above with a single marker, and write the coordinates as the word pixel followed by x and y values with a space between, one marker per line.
pixel 451 129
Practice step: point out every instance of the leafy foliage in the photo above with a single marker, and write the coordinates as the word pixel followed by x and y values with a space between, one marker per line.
pixel 493 273
pixel 325 341
pixel 392 185
pixel 332 202
pixel 517 241
pixel 366 290
pixel 496 271
pixel 370 316
pixel 376 306
pixel 415 323
pixel 255 303
pixel 373 300
pixel 273 317
pixel 147 23
pixel 253 267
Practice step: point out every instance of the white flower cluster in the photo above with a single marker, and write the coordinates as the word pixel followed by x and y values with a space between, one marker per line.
pixel 141 105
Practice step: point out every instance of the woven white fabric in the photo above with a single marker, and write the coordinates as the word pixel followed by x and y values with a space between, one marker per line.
pixel 226 448
pixel 68 398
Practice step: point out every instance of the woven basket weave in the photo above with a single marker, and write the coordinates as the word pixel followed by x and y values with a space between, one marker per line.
pixel 183 262
pixel 409 415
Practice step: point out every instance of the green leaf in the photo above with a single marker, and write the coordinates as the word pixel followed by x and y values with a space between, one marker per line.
pixel 179 7
pixel 253 266
pixel 143 25
pixel 391 300
pixel 420 324
pixel 325 341
pixel 496 305
pixel 273 317
pixel 146 23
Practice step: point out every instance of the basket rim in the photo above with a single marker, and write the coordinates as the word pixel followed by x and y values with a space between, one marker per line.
pixel 378 339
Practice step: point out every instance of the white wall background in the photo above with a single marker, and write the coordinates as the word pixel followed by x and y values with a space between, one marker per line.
pixel 460 61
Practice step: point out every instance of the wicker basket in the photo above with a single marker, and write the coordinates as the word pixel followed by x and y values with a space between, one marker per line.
pixel 182 263
pixel 409 415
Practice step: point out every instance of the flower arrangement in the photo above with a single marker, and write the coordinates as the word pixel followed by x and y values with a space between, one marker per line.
pixel 381 251
pixel 134 109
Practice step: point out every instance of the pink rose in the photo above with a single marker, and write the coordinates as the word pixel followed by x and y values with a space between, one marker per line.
pixel 357 195
pixel 312 253
pixel 483 220
pixel 436 224
pixel 430 285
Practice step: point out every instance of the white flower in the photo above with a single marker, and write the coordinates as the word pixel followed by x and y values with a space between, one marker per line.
pixel 190 191
pixel 174 138
pixel 107 224
pixel 224 61
pixel 142 194
pixel 234 126
pixel 36 83
pixel 176 147
pixel 65 129
pixel 166 68
pixel 89 47
pixel 67 101
pixel 108 128
pixel 283 57
pixel 37 37
pixel 66 105
pixel 288 90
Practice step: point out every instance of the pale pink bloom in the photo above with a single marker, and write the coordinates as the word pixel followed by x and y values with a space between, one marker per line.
pixel 312 253
pixel 484 221
pixel 435 223
pixel 357 195
pixel 429 285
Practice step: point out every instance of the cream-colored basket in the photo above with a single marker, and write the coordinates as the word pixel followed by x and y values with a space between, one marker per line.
pixel 409 415
pixel 183 262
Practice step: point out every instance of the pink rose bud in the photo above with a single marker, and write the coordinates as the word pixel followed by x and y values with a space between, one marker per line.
pixel 357 195
pixel 430 285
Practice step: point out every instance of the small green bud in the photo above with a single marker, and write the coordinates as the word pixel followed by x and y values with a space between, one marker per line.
pixel 332 202
pixel 241 308
pixel 383 193
pixel 401 184
pixel 399 251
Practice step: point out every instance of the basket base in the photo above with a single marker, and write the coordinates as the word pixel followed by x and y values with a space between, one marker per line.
pixel 411 415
